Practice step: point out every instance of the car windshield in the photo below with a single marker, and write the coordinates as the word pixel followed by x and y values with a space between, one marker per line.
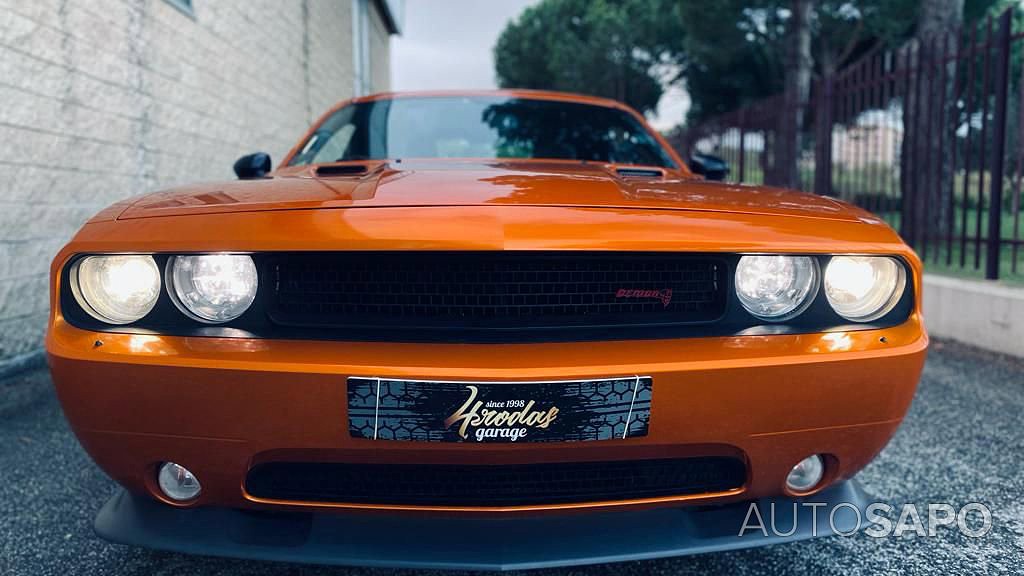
pixel 481 127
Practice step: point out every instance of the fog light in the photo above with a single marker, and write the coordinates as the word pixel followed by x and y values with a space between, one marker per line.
pixel 177 483
pixel 806 474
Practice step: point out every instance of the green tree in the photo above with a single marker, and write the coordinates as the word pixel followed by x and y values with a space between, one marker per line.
pixel 737 51
pixel 621 49
pixel 734 53
pixel 727 53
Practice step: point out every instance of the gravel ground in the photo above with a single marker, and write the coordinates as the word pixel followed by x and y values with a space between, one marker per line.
pixel 963 441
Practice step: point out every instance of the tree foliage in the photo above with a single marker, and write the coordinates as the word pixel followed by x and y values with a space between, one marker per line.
pixel 736 48
pixel 727 53
pixel 733 53
pixel 611 48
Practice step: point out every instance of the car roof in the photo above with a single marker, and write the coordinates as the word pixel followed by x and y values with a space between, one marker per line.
pixel 509 93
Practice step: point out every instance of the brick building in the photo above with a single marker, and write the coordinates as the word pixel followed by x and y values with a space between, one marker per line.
pixel 105 99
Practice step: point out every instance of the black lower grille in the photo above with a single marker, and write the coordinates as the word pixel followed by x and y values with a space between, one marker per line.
pixel 503 290
pixel 503 485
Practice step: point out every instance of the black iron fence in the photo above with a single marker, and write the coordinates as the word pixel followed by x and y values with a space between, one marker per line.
pixel 927 136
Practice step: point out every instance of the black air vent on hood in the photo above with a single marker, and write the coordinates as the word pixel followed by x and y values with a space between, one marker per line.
pixel 639 172
pixel 341 170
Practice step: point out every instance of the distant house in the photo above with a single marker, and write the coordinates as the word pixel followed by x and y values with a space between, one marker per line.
pixel 867 143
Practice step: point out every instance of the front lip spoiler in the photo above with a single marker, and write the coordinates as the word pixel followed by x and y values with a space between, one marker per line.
pixel 473 543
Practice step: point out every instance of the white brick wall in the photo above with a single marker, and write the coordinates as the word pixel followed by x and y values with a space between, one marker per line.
pixel 105 99
pixel 380 54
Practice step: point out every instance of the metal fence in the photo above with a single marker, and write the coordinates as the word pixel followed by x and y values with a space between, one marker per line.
pixel 926 135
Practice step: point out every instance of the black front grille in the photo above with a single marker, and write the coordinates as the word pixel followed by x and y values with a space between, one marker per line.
pixel 501 485
pixel 496 291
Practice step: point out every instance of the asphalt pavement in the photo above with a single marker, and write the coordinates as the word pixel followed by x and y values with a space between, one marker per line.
pixel 962 442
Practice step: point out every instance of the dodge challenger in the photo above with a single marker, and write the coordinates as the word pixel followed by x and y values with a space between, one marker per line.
pixel 482 330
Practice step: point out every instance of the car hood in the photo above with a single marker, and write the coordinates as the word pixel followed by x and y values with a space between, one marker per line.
pixel 492 184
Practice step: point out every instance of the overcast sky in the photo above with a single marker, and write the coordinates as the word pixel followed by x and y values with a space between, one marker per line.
pixel 448 43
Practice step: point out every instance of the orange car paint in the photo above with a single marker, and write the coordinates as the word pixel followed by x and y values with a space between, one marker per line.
pixel 223 404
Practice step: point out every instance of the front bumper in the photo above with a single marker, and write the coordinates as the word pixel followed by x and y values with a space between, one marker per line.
pixel 220 406
pixel 478 543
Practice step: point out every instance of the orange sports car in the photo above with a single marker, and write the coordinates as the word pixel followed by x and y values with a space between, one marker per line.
pixel 481 330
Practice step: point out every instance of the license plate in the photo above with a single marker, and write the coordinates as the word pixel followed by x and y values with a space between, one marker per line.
pixel 565 411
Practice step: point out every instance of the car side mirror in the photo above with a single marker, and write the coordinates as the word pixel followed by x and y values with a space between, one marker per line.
pixel 253 166
pixel 708 166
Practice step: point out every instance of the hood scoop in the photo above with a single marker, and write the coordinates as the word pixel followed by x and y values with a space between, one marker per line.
pixel 332 170
pixel 639 173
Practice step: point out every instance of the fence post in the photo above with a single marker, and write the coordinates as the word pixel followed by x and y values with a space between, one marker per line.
pixel 823 136
pixel 995 207
pixel 907 146
pixel 743 145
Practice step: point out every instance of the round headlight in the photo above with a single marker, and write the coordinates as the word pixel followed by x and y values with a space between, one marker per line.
pixel 214 288
pixel 776 287
pixel 116 289
pixel 864 288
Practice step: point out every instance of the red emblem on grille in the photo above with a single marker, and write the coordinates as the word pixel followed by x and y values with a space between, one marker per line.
pixel 665 294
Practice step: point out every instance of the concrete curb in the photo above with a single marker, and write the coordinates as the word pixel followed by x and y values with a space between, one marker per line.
pixel 22 363
pixel 979 313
